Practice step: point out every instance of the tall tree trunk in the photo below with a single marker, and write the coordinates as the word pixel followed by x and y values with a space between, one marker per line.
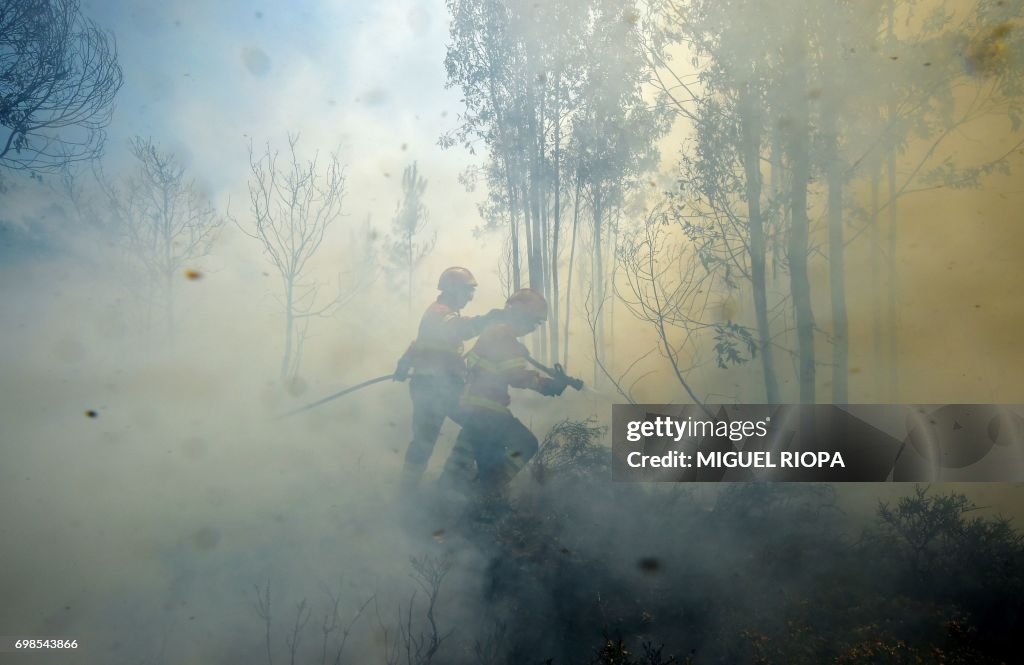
pixel 572 257
pixel 837 278
pixel 536 255
pixel 408 242
pixel 536 252
pixel 799 231
pixel 514 226
pixel 751 127
pixel 597 281
pixel 533 191
pixel 167 235
pixel 528 228
pixel 513 200
pixel 876 286
pixel 289 328
pixel 776 152
pixel 558 222
pixel 893 286
pixel 170 306
pixel 544 208
pixel 614 246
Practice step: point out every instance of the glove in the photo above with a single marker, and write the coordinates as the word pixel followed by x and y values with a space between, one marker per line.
pixel 404 366
pixel 552 387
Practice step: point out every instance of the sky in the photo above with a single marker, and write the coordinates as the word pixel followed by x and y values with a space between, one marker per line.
pixel 366 79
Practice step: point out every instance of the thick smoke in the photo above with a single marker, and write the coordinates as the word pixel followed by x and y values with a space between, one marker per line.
pixel 157 508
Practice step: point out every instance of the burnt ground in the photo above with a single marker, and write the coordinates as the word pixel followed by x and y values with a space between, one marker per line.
pixel 579 570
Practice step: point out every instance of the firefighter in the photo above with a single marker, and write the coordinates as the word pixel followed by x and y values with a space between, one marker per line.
pixel 438 370
pixel 492 439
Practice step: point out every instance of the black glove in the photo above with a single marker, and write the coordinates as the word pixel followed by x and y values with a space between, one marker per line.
pixel 553 387
pixel 404 366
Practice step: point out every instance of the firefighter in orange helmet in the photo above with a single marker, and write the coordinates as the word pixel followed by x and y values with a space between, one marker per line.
pixel 438 370
pixel 492 438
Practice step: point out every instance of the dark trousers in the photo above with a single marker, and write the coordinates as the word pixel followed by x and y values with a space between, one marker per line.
pixel 497 444
pixel 433 400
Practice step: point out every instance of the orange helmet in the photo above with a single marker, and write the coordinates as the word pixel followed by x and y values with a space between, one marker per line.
pixel 528 304
pixel 455 278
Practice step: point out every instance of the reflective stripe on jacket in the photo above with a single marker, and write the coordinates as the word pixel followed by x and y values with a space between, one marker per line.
pixel 497 363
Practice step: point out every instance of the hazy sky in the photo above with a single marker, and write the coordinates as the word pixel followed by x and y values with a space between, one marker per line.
pixel 204 78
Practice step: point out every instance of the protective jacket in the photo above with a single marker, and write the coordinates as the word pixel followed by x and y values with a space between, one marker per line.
pixel 438 349
pixel 496 363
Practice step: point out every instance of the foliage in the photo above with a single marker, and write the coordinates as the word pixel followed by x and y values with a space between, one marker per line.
pixel 731 342
pixel 790 104
pixel 768 574
pixel 664 286
pixel 614 652
pixel 554 94
pixel 58 78
pixel 571 448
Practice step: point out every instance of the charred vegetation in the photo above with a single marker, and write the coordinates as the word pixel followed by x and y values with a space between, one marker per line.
pixel 582 571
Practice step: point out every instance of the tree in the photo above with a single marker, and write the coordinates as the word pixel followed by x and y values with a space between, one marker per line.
pixel 837 93
pixel 616 130
pixel 554 92
pixel 58 79
pixel 412 644
pixel 293 204
pixel 928 102
pixel 665 288
pixel 407 249
pixel 732 104
pixel 938 550
pixel 165 221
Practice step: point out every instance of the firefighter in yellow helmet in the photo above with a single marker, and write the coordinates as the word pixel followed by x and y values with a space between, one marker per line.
pixel 438 370
pixel 493 439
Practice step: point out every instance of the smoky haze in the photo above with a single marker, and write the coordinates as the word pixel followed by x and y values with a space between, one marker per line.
pixel 151 497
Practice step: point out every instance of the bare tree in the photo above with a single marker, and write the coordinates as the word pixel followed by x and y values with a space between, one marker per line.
pixel 82 203
pixel 293 204
pixel 667 287
pixel 413 645
pixel 495 645
pixel 593 316
pixel 262 607
pixel 165 221
pixel 58 79
pixel 331 624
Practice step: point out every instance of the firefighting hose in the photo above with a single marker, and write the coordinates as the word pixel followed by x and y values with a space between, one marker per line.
pixel 340 393
pixel 557 373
